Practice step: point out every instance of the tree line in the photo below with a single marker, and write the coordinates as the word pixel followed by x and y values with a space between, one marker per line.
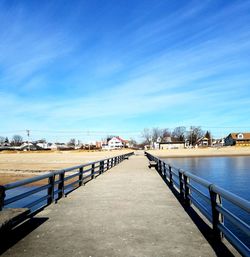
pixel 177 134
pixel 16 140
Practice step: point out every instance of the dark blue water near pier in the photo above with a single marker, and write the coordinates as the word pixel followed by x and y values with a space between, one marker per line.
pixel 230 173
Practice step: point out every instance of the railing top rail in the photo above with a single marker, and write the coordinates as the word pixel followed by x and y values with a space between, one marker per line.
pixel 201 181
pixel 237 200
pixel 27 181
pixel 57 172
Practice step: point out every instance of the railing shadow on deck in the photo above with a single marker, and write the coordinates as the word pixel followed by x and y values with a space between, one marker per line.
pixel 11 237
pixel 188 189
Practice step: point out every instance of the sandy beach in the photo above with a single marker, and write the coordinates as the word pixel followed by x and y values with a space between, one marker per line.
pixel 19 165
pixel 203 152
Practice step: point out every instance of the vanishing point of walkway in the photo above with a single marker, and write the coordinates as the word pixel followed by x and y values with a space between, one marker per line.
pixel 128 211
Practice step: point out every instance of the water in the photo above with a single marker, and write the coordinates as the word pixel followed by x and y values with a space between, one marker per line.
pixel 29 199
pixel 230 173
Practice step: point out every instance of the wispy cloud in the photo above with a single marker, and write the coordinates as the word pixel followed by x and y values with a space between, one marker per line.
pixel 170 65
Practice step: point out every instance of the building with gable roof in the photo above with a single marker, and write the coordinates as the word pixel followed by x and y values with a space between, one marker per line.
pixel 238 139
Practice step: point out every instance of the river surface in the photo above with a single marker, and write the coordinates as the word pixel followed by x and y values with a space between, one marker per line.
pixel 230 173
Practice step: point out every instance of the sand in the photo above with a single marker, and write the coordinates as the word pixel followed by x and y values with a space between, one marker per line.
pixel 20 165
pixel 203 152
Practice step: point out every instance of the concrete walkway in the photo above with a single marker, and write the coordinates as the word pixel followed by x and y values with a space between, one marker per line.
pixel 128 211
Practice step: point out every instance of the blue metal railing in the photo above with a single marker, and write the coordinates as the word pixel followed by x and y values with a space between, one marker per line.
pixel 53 186
pixel 207 197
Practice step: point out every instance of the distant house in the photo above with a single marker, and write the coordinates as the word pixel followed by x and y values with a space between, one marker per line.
pixel 237 139
pixel 27 146
pixel 203 141
pixel 172 145
pixel 59 146
pixel 115 143
pixel 42 146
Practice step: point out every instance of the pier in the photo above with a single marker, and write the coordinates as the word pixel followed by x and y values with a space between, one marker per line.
pixel 127 211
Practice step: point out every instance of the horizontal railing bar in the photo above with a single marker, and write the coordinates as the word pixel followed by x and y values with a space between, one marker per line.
pixel 201 208
pixel 201 181
pixel 85 171
pixel 88 176
pixel 176 175
pixel 71 184
pixel 26 181
pixel 196 190
pixel 26 194
pixel 37 201
pixel 234 240
pixel 57 191
pixel 237 200
pixel 235 220
pixel 71 176
pixel 57 182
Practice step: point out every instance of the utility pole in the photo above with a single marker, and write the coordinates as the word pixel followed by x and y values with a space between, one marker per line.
pixel 28 134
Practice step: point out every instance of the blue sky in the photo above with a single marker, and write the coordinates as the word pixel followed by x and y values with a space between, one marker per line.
pixel 68 68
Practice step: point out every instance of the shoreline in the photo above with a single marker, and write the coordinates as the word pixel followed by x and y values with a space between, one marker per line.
pixel 202 152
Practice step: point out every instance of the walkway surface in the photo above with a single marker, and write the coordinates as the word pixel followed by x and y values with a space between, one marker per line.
pixel 128 211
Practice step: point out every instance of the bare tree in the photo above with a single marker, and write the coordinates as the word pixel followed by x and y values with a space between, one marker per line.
pixel 194 134
pixel 2 140
pixel 146 134
pixel 72 142
pixel 179 133
pixel 156 133
pixel 166 134
pixel 17 140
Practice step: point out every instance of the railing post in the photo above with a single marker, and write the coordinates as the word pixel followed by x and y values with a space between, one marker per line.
pixel 170 175
pixel 107 164
pixel 101 167
pixel 160 167
pixel 164 170
pixel 181 184
pixel 187 190
pixel 2 196
pixel 51 182
pixel 216 217
pixel 93 171
pixel 61 185
pixel 80 176
pixel 104 169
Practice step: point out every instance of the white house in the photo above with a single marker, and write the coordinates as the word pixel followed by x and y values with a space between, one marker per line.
pixel 115 143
